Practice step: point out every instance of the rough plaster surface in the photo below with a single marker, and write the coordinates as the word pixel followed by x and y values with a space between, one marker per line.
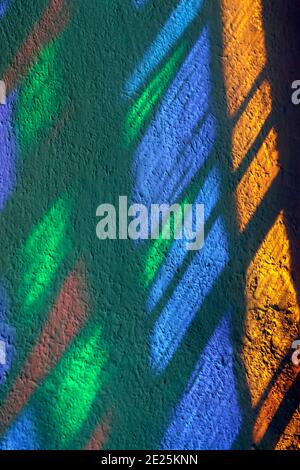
pixel 80 336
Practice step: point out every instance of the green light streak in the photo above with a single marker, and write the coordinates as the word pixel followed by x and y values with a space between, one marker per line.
pixel 158 251
pixel 41 257
pixel 160 247
pixel 141 110
pixel 73 386
pixel 39 97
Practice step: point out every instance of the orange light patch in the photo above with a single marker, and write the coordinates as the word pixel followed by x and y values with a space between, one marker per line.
pixel 272 312
pixel 290 439
pixel 250 123
pixel 244 48
pixel 257 180
pixel 100 434
pixel 273 401
pixel 51 24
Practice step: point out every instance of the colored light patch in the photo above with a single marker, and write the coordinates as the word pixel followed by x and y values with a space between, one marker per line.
pixel 7 350
pixel 179 20
pixel 181 135
pixel 208 416
pixel 72 387
pixel 141 110
pixel 194 156
pixel 8 150
pixel 4 7
pixel 41 257
pixel 244 48
pixel 208 195
pixel 2 353
pixel 160 247
pixel 251 123
pixel 157 252
pixel 50 25
pixel 38 103
pixel 7 337
pixel 205 268
pixel 66 318
pixel 257 180
pixel 290 438
pixel 271 325
pixel 23 434
pixel 2 93
pixel 273 401
pixel 101 434
pixel 140 3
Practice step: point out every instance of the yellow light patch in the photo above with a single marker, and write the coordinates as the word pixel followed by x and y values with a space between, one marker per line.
pixel 272 311
pixel 290 437
pixel 251 123
pixel 257 180
pixel 244 49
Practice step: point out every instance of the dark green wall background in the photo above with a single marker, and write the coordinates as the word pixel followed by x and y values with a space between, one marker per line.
pixel 72 156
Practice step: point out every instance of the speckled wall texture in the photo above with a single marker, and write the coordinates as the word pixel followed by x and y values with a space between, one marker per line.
pixel 122 344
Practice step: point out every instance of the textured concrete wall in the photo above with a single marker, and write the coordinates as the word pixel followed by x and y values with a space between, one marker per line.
pixel 119 344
